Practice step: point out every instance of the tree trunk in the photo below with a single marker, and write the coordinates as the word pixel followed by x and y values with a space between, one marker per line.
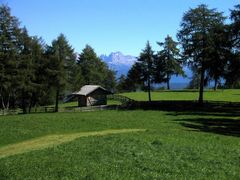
pixel 149 90
pixel 5 105
pixel 30 105
pixel 200 99
pixel 215 84
pixel 57 96
pixel 168 82
pixel 32 102
pixel 23 103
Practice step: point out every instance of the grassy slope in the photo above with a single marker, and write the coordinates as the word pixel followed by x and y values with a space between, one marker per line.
pixel 232 95
pixel 168 149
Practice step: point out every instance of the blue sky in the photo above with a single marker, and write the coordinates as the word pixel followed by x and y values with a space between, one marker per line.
pixel 107 25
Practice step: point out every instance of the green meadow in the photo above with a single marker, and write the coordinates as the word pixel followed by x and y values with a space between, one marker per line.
pixel 123 144
pixel 228 95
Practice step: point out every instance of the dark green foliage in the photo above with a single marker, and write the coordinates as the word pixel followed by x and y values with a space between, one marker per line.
pixel 233 71
pixel 40 95
pixel 168 61
pixel 33 74
pixel 235 26
pixel 195 79
pixel 220 53
pixel 133 80
pixel 121 84
pixel 146 65
pixel 95 71
pixel 9 48
pixel 197 39
pixel 62 59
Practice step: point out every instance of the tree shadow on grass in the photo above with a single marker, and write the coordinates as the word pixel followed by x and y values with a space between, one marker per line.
pixel 186 106
pixel 202 113
pixel 223 126
pixel 218 117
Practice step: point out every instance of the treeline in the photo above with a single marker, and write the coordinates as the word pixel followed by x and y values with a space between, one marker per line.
pixel 209 46
pixel 33 73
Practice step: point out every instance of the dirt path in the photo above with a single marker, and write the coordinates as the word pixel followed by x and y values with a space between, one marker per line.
pixel 53 140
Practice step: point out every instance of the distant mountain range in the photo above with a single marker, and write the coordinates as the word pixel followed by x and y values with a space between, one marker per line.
pixel 121 63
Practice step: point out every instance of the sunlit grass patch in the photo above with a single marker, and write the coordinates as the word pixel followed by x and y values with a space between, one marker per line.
pixel 53 140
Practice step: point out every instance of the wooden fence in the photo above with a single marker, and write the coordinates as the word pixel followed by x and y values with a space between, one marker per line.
pixel 48 109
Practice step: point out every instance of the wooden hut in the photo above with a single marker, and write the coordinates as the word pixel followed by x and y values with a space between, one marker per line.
pixel 91 95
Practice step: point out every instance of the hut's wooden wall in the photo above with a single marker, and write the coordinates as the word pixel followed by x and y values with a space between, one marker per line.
pixel 82 101
pixel 97 97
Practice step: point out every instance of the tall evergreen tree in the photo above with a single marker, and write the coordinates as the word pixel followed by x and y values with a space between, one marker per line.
pixel 95 71
pixel 121 83
pixel 233 74
pixel 62 59
pixel 88 62
pixel 235 17
pixel 146 63
pixel 133 80
pixel 195 36
pixel 220 53
pixel 9 39
pixel 169 57
pixel 25 73
pixel 39 94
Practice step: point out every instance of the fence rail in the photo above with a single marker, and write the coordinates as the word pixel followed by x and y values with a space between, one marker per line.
pixel 48 109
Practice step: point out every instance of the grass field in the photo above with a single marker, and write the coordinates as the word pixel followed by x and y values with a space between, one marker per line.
pixel 231 95
pixel 120 145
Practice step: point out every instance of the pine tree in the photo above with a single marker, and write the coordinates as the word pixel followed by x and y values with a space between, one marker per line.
pixel 40 79
pixel 61 58
pixel 88 62
pixel 220 53
pixel 25 72
pixel 9 38
pixel 95 71
pixel 133 80
pixel 169 59
pixel 146 63
pixel 195 37
pixel 233 74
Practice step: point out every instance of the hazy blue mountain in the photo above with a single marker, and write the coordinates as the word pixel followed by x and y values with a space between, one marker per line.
pixel 119 62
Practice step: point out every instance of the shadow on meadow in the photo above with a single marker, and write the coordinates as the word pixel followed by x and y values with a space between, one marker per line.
pixel 212 116
pixel 223 126
pixel 187 106
pixel 230 114
pixel 222 118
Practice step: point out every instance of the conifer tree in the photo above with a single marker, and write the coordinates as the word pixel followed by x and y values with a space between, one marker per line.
pixel 95 71
pixel 196 39
pixel 9 39
pixel 169 57
pixel 146 63
pixel 233 73
pixel 62 59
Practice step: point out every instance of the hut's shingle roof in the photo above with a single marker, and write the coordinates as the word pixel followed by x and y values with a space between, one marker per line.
pixel 87 89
